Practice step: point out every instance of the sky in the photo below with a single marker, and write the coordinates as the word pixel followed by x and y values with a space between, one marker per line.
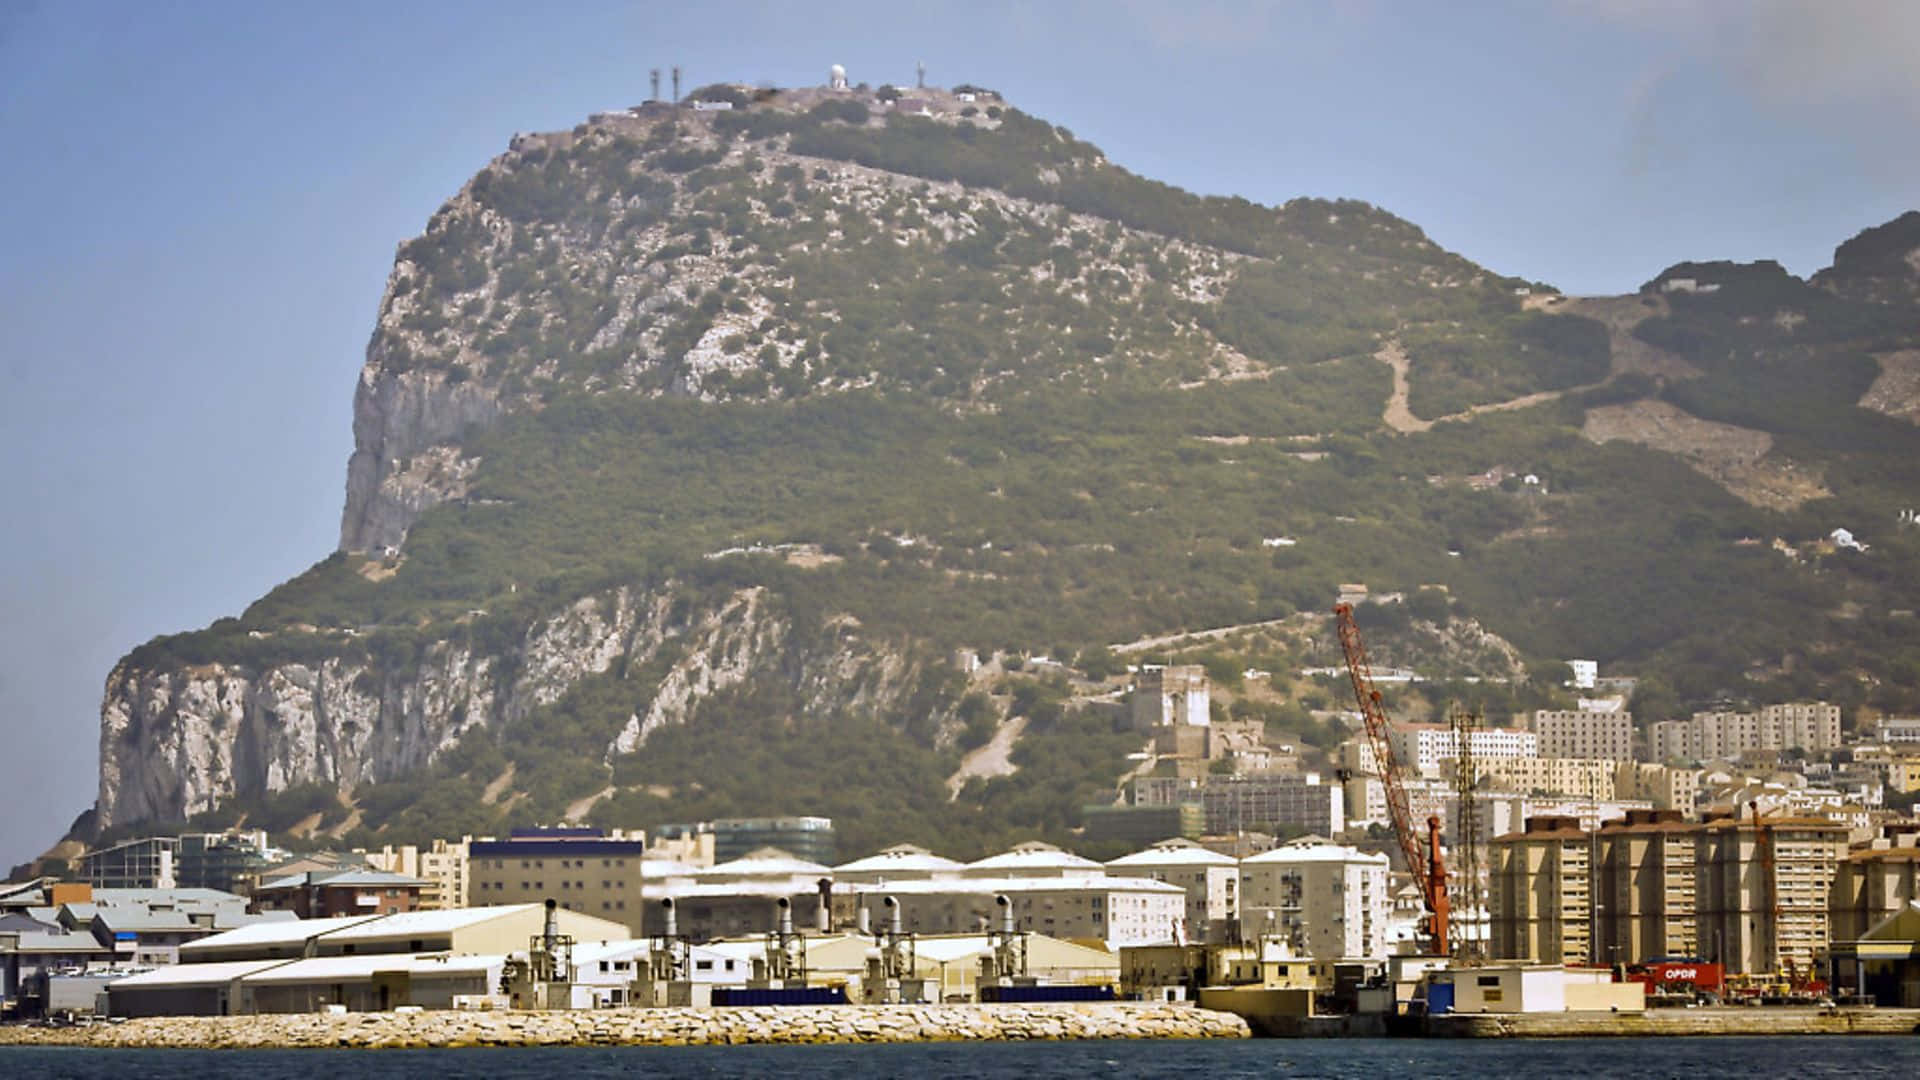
pixel 199 204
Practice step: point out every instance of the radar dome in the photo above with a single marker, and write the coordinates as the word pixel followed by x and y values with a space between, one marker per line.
pixel 837 77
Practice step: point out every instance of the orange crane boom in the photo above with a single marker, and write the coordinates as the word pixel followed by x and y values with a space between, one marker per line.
pixel 1428 869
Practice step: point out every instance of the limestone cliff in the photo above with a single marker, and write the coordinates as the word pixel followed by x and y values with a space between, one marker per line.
pixel 181 741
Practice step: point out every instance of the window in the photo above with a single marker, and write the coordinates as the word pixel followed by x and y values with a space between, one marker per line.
pixel 707 965
pixel 1488 980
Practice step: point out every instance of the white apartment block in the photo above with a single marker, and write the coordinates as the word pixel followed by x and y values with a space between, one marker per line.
pixel 1329 900
pixel 1706 736
pixel 1211 881
pixel 1426 748
pixel 1584 733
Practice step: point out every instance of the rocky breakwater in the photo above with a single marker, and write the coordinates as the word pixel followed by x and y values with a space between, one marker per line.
pixel 652 1027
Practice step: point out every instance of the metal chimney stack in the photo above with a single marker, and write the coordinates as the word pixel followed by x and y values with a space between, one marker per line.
pixel 893 915
pixel 1006 913
pixel 785 907
pixel 550 936
pixel 823 917
pixel 671 919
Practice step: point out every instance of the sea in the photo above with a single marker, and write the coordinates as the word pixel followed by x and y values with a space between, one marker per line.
pixel 1337 1059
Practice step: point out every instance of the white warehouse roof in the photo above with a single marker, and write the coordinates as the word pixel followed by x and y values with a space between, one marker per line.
pixel 344 968
pixel 411 924
pixel 195 974
pixel 266 934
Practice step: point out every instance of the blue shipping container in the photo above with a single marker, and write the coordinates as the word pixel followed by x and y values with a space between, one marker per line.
pixel 1011 995
pixel 812 995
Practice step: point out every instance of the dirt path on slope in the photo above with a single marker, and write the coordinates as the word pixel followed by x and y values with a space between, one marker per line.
pixel 1397 416
pixel 994 758
pixel 1195 635
pixel 498 786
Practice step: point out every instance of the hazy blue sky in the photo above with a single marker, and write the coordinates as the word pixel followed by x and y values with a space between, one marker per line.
pixel 199 204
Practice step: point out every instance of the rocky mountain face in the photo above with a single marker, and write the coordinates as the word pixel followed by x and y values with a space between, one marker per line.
pixel 180 742
pixel 696 432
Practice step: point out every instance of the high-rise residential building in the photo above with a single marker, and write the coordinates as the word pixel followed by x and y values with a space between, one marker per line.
pixel 1175 696
pixel 1705 736
pixel 1764 890
pixel 1331 901
pixel 1806 725
pixel 1645 890
pixel 1584 733
pixel 1540 884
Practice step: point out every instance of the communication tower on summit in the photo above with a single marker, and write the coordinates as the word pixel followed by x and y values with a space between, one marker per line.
pixel 676 84
pixel 655 76
pixel 920 74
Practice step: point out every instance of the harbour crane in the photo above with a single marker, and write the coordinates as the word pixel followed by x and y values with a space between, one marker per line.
pixel 1428 869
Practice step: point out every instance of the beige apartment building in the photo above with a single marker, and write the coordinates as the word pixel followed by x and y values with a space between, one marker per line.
pixel 1764 891
pixel 1584 733
pixel 1645 888
pixel 1580 777
pixel 1705 736
pixel 443 866
pixel 1540 893
pixel 1666 787
pixel 582 870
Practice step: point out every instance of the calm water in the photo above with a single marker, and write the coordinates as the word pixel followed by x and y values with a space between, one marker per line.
pixel 1359 1059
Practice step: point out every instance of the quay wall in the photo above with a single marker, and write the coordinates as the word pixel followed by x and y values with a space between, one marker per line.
pixel 1738 1020
pixel 652 1027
